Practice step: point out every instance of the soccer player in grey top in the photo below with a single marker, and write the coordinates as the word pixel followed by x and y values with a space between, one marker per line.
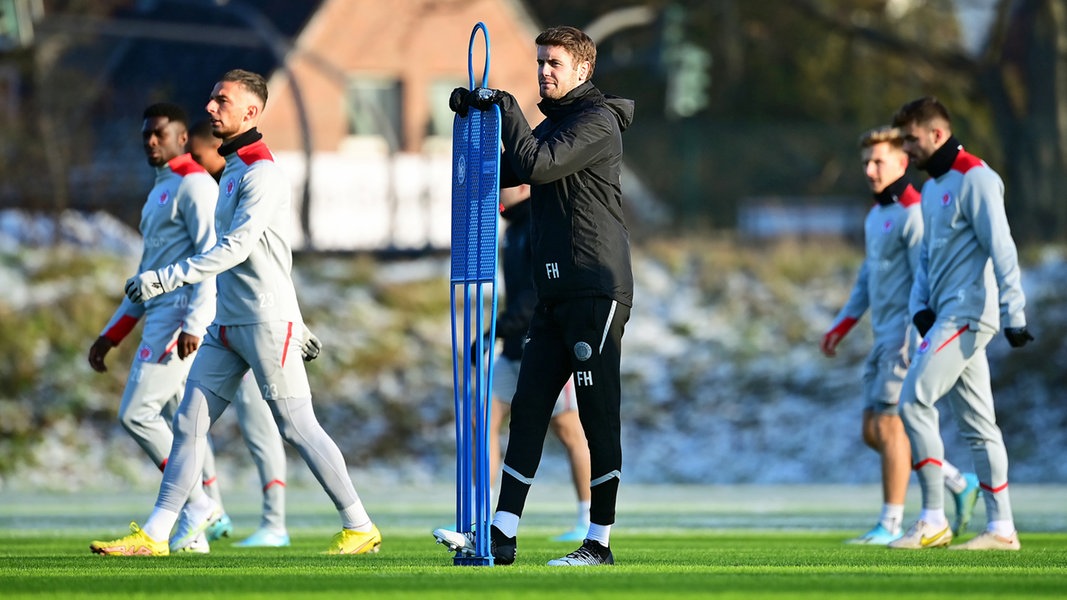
pixel 256 318
pixel 893 232
pixel 176 222
pixel 253 416
pixel 966 288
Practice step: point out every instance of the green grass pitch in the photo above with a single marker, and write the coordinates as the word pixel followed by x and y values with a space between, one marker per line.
pixel 678 542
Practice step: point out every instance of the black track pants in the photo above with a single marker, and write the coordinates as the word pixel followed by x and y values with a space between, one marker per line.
pixel 580 337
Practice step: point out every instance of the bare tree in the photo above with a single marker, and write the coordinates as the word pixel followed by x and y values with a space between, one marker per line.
pixel 1020 76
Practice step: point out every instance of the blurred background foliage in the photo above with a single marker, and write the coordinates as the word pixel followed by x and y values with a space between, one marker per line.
pixel 736 100
pixel 721 360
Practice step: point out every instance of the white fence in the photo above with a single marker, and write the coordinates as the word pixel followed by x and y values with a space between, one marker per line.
pixel 372 201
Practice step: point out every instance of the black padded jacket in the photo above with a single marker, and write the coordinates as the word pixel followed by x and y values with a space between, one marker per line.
pixel 573 163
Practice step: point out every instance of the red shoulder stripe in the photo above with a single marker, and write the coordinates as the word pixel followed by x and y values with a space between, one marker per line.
pixel 255 152
pixel 966 161
pixel 185 165
pixel 910 196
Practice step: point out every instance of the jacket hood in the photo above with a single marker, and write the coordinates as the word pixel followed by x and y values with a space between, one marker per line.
pixel 623 109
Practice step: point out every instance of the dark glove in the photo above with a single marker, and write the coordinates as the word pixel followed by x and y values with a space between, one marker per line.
pixel 924 320
pixel 1017 336
pixel 483 98
pixel 457 102
pixel 462 99
pixel 487 345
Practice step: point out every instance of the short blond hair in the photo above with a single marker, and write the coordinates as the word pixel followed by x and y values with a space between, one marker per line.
pixel 883 134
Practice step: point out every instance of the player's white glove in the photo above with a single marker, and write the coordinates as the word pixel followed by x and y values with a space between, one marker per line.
pixel 145 286
pixel 311 347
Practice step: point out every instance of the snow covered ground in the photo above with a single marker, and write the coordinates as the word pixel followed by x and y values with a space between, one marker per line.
pixel 730 389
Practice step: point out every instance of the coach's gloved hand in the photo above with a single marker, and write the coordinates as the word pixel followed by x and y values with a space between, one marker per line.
pixel 311 347
pixel 483 98
pixel 1018 336
pixel 457 101
pixel 463 99
pixel 145 286
pixel 924 320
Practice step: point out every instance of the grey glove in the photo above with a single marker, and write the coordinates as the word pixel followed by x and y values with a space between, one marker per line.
pixel 145 286
pixel 311 347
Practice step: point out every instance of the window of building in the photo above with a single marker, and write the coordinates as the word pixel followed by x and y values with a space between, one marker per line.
pixel 373 107
pixel 440 116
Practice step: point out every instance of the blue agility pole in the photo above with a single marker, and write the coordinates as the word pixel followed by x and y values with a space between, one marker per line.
pixel 475 202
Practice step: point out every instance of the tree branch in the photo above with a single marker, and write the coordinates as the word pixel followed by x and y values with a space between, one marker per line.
pixel 954 60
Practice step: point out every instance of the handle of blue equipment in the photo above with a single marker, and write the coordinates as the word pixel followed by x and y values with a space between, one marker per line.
pixel 470 57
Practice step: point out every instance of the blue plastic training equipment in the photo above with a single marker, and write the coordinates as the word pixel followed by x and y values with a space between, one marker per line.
pixel 475 202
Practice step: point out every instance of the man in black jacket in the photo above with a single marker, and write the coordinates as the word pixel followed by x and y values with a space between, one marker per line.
pixel 572 161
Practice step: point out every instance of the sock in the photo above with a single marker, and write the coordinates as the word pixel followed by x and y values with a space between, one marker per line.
pixel 892 517
pixel 201 508
pixel 355 517
pixel 274 506
pixel 506 522
pixel 583 514
pixel 954 480
pixel 599 533
pixel 211 488
pixel 159 524
pixel 935 517
pixel 1002 528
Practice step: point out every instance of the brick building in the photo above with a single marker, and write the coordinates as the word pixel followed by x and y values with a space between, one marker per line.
pixel 357 112
pixel 373 79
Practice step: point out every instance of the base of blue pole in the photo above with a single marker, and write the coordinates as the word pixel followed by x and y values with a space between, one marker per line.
pixel 473 561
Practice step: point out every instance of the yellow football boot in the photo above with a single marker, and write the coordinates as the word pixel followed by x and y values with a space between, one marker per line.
pixel 350 541
pixel 136 544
